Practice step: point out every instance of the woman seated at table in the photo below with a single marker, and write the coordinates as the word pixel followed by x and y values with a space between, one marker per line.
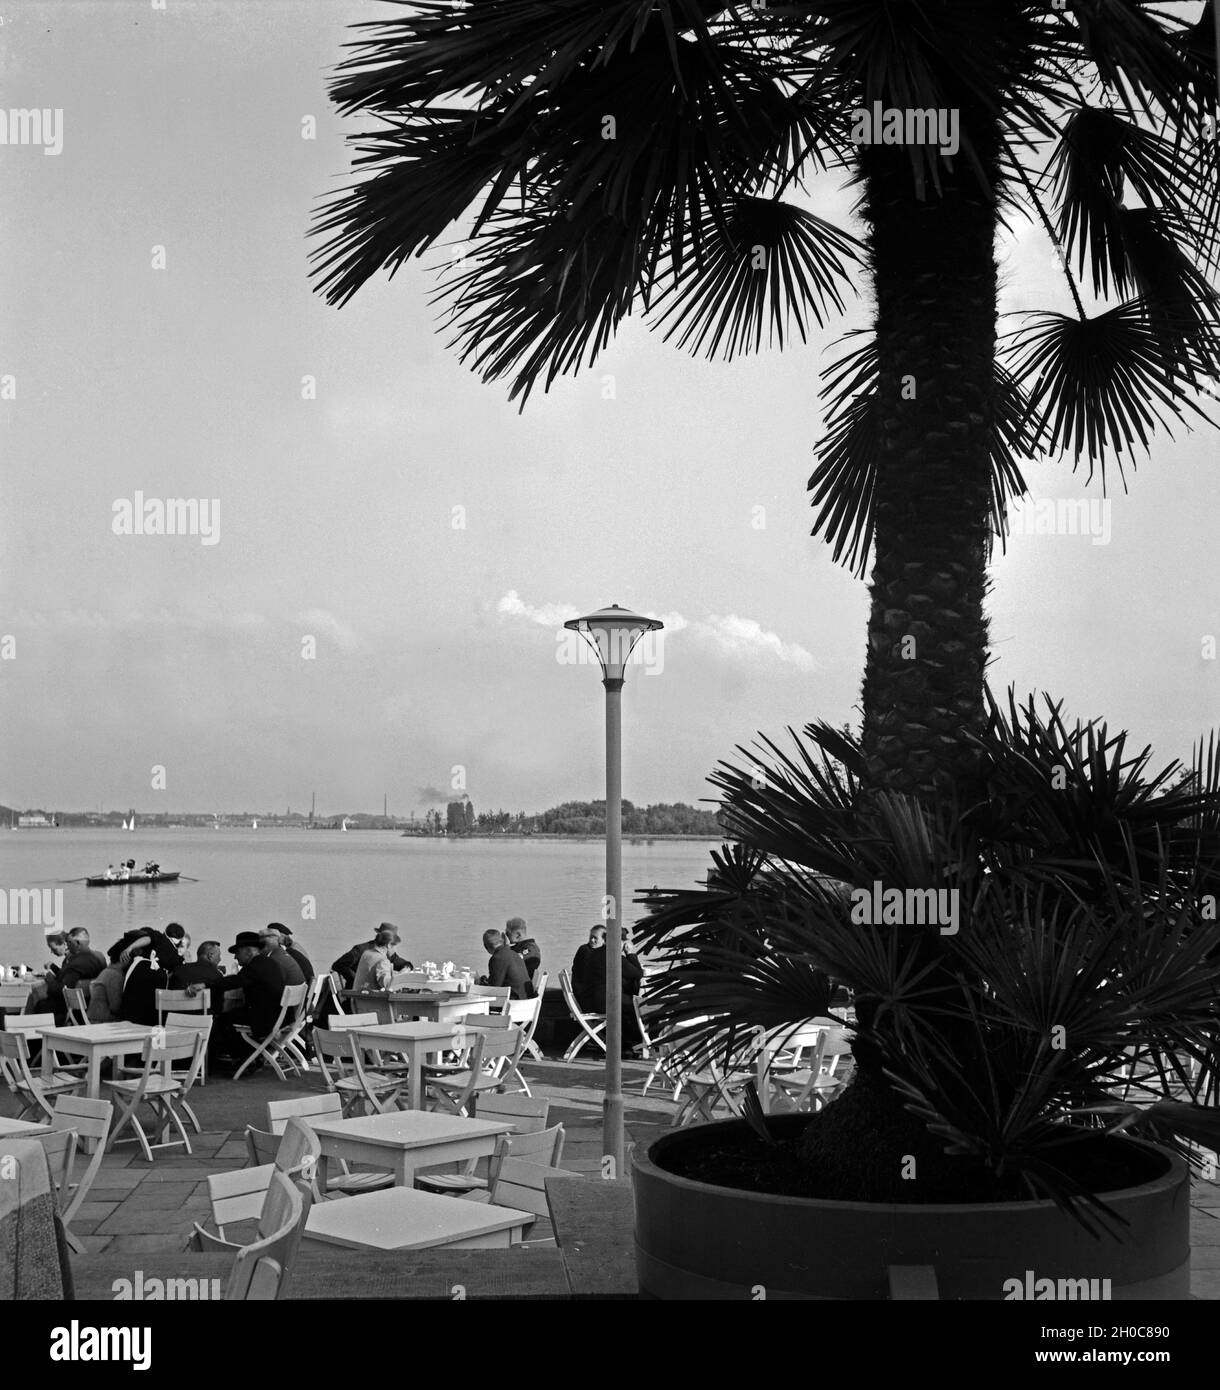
pixel 106 991
pixel 58 944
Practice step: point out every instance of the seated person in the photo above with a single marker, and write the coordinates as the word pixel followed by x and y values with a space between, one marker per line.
pixel 294 950
pixel 204 969
pixel 273 949
pixel 587 963
pixel 375 970
pixel 178 934
pixel 57 943
pixel 589 980
pixel 81 964
pixel 525 946
pixel 505 967
pixel 262 982
pixel 106 990
pixel 348 963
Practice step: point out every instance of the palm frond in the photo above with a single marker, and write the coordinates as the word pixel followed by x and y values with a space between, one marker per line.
pixel 1136 51
pixel 771 263
pixel 1105 383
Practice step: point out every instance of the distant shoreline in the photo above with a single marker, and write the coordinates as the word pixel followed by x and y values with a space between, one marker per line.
pixel 630 837
pixel 564 835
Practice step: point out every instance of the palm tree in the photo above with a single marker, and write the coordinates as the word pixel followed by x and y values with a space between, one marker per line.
pixel 660 155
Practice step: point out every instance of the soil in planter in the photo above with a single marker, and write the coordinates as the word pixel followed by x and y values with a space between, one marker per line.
pixel 857 1149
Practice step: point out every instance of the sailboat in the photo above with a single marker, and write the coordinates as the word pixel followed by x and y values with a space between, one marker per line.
pixel 344 825
pixel 132 824
pixel 254 825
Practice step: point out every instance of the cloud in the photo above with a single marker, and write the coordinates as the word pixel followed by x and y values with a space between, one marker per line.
pixel 732 635
pixel 426 796
pixel 747 637
pixel 319 621
pixel 548 615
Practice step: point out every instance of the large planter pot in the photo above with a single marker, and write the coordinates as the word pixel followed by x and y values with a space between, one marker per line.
pixel 694 1240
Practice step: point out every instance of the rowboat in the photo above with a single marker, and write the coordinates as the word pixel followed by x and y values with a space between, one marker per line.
pixel 101 881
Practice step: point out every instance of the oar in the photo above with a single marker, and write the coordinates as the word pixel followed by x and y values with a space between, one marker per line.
pixel 186 878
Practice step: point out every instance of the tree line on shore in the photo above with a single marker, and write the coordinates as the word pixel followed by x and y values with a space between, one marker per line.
pixel 573 818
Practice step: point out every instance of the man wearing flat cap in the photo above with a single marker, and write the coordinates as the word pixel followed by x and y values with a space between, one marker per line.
pixel 290 946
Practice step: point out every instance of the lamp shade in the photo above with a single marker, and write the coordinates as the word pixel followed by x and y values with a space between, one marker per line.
pixel 612 633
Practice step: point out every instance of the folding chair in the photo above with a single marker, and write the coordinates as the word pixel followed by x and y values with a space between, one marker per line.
pixel 238 1196
pixel 540 979
pixel 336 997
pixel 87 1119
pixel 13 995
pixel 528 1118
pixel 159 1089
pixel 77 1006
pixel 31 1026
pixel 460 1092
pixel 342 1069
pixel 337 1025
pixel 706 1088
pixel 180 1001
pixel 193 1023
pixel 380 1065
pixel 32 1092
pixel 527 1114
pixel 499 994
pixel 783 1054
pixel 524 1013
pixel 592 1026
pixel 344 1183
pixel 670 1063
pixel 261 1269
pixel 817 1086
pixel 520 1183
pixel 307 1018
pixel 279 1044
pixel 60 1148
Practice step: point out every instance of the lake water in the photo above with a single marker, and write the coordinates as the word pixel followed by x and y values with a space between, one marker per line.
pixel 443 894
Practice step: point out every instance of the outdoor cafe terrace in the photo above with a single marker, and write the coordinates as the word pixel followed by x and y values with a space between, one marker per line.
pixel 401 1234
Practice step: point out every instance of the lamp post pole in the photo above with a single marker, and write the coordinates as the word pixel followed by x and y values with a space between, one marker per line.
pixel 612 634
pixel 612 1105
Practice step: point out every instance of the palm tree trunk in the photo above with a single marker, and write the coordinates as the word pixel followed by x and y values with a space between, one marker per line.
pixel 936 287
pixel 935 279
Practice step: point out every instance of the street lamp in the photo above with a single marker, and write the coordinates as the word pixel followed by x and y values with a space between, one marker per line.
pixel 612 634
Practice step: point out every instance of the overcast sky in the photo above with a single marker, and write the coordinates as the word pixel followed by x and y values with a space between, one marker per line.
pixel 436 646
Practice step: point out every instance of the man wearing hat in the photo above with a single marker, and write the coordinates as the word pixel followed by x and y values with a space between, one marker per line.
pixel 291 948
pixel 273 947
pixel 262 981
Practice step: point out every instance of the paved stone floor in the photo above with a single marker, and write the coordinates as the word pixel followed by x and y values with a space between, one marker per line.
pixel 138 1208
